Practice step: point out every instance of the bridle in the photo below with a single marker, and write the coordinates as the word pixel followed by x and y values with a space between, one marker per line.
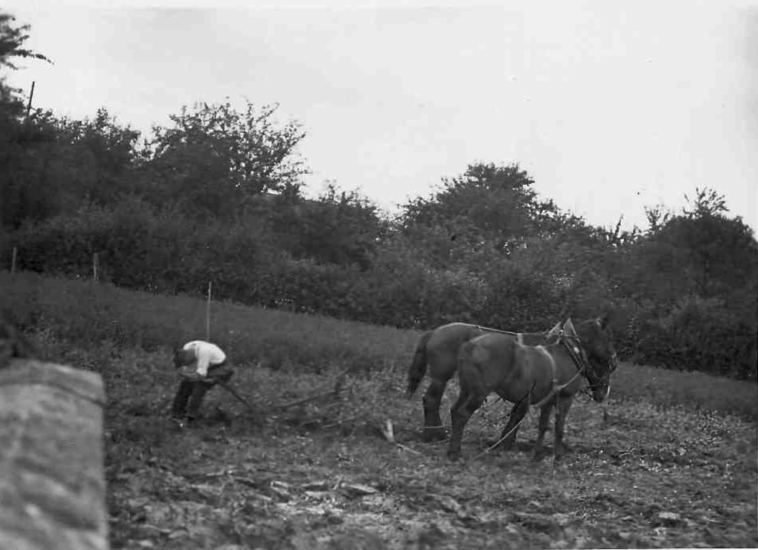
pixel 577 354
pixel 574 353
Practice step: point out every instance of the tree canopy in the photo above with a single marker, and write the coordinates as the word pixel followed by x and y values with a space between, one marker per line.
pixel 218 195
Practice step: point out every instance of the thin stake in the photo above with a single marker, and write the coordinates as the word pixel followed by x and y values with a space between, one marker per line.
pixel 29 105
pixel 13 259
pixel 208 314
pixel 95 266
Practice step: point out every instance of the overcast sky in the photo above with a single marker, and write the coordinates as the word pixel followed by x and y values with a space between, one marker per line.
pixel 610 106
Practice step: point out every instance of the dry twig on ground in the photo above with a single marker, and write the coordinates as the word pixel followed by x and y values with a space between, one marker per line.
pixel 389 434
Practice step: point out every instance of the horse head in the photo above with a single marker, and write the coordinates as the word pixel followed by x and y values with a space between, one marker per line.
pixel 594 342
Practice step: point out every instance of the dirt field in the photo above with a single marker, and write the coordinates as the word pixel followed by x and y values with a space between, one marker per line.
pixel 321 475
pixel 670 460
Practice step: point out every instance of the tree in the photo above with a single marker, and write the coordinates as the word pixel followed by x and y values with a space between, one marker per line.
pixel 706 202
pixel 18 137
pixel 93 159
pixel 26 192
pixel 12 39
pixel 700 252
pixel 487 203
pixel 338 227
pixel 12 42
pixel 215 158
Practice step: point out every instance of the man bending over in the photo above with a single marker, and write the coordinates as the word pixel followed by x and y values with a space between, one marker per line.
pixel 211 366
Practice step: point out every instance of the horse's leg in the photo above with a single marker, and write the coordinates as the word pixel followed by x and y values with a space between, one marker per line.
pixel 508 437
pixel 544 422
pixel 454 447
pixel 433 429
pixel 561 412
pixel 459 415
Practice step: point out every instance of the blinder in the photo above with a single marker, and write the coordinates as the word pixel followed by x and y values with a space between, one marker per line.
pixel 576 351
pixel 579 356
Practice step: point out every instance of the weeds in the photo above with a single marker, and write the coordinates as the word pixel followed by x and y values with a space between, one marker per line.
pixel 116 325
pixel 309 463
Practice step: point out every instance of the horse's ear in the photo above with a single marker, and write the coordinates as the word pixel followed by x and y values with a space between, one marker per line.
pixel 555 331
pixel 602 321
pixel 568 327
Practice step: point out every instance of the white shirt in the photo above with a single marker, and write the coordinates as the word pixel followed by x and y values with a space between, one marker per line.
pixel 206 354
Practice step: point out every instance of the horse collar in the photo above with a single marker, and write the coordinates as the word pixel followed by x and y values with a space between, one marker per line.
pixel 574 351
pixel 555 387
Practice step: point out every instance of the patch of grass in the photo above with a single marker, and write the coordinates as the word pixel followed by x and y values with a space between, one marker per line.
pixel 140 386
pixel 690 390
pixel 111 322
pixel 85 312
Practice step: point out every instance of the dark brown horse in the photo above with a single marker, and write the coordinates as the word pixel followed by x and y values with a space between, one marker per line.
pixel 544 376
pixel 439 350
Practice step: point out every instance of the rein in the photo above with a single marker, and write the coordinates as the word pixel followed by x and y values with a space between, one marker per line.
pixel 578 362
pixel 555 389
pixel 488 329
pixel 519 335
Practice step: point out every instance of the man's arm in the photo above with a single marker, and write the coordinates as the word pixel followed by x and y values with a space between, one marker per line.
pixel 203 362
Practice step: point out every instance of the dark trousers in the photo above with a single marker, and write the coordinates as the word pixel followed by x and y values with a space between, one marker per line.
pixel 190 393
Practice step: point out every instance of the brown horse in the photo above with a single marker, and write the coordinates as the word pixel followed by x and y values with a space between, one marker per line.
pixel 544 376
pixel 439 350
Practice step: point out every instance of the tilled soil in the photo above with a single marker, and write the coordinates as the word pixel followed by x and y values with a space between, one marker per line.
pixel 638 477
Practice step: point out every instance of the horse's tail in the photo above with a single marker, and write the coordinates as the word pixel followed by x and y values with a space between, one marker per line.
pixel 417 369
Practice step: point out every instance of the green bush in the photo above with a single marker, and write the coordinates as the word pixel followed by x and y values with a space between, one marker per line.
pixel 522 300
pixel 537 285
pixel 700 334
pixel 140 248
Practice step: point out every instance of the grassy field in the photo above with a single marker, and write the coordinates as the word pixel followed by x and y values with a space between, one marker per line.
pixel 671 463
pixel 85 313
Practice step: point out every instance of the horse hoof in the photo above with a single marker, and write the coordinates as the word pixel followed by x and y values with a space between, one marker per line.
pixel 453 456
pixel 539 455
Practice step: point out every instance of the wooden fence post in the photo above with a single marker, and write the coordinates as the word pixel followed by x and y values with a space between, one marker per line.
pixel 208 314
pixel 95 266
pixel 13 260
